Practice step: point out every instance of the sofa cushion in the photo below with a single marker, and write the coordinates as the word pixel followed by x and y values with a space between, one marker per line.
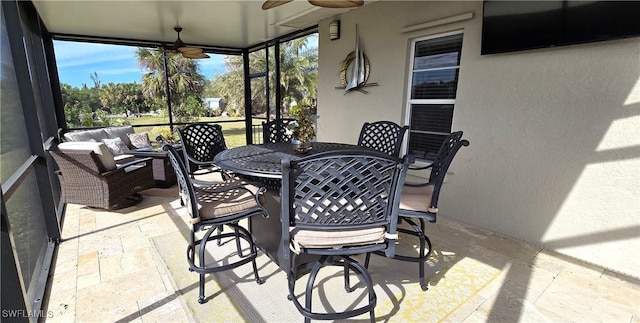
pixel 86 135
pixel 100 149
pixel 116 146
pixel 120 132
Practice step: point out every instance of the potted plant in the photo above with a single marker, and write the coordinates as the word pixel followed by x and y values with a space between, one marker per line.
pixel 303 128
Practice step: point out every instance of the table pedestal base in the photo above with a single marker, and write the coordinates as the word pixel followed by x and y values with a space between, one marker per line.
pixel 267 232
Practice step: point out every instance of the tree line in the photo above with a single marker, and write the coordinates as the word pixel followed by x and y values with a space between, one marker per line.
pixel 96 106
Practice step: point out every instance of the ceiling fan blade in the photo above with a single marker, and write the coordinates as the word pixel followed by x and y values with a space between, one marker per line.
pixel 337 3
pixel 273 3
pixel 195 56
pixel 190 50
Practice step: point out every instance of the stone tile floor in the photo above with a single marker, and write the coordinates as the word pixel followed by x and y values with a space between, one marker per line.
pixel 107 271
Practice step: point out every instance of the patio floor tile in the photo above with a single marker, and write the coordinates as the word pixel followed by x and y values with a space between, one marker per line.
pixel 107 269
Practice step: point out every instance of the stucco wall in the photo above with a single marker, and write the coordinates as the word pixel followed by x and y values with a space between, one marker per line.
pixel 555 133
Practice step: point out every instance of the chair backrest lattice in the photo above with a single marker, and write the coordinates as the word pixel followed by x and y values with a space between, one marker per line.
pixel 384 136
pixel 276 131
pixel 445 155
pixel 341 189
pixel 201 142
pixel 447 151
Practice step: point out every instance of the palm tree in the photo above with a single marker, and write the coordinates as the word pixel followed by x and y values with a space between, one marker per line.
pixel 298 71
pixel 230 85
pixel 298 76
pixel 185 81
pixel 122 98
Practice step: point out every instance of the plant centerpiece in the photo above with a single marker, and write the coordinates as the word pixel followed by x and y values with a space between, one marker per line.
pixel 303 128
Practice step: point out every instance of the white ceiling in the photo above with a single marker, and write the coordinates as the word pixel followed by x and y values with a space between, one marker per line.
pixel 231 24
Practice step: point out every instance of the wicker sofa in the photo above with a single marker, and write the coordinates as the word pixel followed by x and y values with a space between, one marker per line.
pixel 163 173
pixel 98 135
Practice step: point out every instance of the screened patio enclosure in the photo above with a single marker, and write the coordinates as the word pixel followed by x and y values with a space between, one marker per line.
pixel 553 158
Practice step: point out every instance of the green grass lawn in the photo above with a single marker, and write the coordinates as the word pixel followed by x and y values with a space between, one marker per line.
pixel 234 132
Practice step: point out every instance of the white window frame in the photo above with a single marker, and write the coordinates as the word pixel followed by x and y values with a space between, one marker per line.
pixel 410 102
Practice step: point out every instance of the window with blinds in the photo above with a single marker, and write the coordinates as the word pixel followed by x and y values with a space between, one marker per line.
pixel 433 85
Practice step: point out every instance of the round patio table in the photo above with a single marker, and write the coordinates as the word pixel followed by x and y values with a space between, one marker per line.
pixel 264 161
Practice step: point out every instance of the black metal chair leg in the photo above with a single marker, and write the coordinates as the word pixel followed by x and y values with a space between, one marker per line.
pixel 191 249
pixel 423 252
pixel 254 253
pixel 219 233
pixel 202 278
pixel 238 247
pixel 201 254
pixel 347 283
pixel 366 260
pixel 291 278
pixel 312 278
pixel 259 280
pixel 201 296
pixel 423 283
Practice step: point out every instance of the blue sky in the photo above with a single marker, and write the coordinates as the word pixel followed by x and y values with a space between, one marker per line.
pixel 113 63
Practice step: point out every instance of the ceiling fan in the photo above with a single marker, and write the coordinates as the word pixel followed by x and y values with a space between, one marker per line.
pixel 187 51
pixel 319 3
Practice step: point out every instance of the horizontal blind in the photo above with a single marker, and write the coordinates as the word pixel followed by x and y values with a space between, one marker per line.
pixel 437 48
pixel 438 84
pixel 431 117
pixel 425 146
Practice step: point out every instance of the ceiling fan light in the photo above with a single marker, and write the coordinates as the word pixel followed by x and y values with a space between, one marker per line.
pixel 337 3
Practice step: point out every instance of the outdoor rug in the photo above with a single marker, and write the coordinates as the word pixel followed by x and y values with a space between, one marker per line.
pixel 234 296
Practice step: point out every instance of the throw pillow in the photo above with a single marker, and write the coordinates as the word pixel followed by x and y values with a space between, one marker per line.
pixel 139 140
pixel 116 146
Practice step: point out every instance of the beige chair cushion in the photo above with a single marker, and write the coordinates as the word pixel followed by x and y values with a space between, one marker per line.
pixel 336 238
pixel 416 198
pixel 215 205
pixel 100 149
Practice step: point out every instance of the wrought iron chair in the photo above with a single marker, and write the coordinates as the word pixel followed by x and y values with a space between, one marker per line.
pixel 89 176
pixel 336 205
pixel 200 143
pixel 276 131
pixel 212 205
pixel 419 202
pixel 384 136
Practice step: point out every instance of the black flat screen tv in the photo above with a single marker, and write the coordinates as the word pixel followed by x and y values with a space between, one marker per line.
pixel 509 26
